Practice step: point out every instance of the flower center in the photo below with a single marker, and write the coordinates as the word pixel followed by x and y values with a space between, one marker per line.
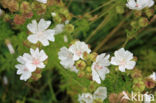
pixel 36 61
pixel 39 34
pixel 25 69
pixel 98 66
pixel 123 62
pixel 137 5
pixel 78 53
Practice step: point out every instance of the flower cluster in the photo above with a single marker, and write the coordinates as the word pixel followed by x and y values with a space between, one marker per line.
pixel 97 97
pixel 94 66
pixel 139 4
pixel 30 62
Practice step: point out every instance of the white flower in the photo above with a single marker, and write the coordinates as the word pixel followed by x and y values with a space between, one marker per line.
pixel 99 67
pixel 139 4
pixel 24 72
pixel 29 63
pixel 33 61
pixel 53 14
pixel 123 58
pixel 59 28
pixel 40 32
pixel 78 49
pixel 66 57
pixel 85 98
pixel 153 76
pixel 65 38
pixel 42 1
pixel 36 58
pixel 1 12
pixel 100 93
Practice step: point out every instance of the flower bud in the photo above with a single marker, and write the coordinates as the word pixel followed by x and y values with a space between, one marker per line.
pixel 93 56
pixel 138 13
pixel 81 74
pixel 139 87
pixel 13 6
pixel 89 76
pixel 97 100
pixel 25 7
pixel 149 83
pixel 36 75
pixel 19 20
pixel 134 24
pixel 149 12
pixel 6 18
pixel 136 74
pixel 69 28
pixel 143 22
pixel 120 9
pixel 80 64
pixel 89 70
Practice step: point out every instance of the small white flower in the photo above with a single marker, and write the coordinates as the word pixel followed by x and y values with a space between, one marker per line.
pixel 67 22
pixel 99 67
pixel 29 63
pixel 59 28
pixel 10 47
pixel 153 76
pixel 42 1
pixel 5 80
pixel 123 58
pixel 78 49
pixel 100 93
pixel 40 32
pixel 85 98
pixel 53 14
pixel 24 72
pixel 65 38
pixel 1 12
pixel 139 4
pixel 66 57
pixel 37 58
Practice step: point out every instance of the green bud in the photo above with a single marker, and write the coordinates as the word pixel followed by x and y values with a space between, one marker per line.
pixel 80 64
pixel 134 24
pixel 81 74
pixel 93 56
pixel 139 87
pixel 97 100
pixel 89 76
pixel 149 12
pixel 143 22
pixel 138 13
pixel 120 9
pixel 25 7
pixel 69 28
pixel 89 69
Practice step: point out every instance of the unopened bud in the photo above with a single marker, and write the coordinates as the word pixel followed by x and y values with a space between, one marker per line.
pixel 149 12
pixel 81 74
pixel 120 9
pixel 25 7
pixel 19 20
pixel 143 22
pixel 80 64
pixel 134 24
pixel 150 83
pixel 10 47
pixel 69 28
